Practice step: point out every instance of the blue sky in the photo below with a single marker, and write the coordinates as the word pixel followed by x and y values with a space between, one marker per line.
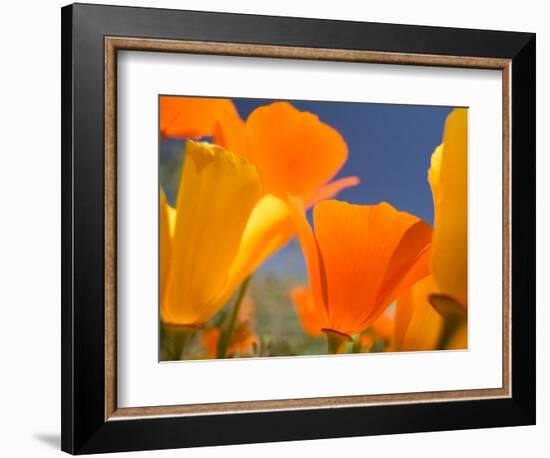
pixel 390 147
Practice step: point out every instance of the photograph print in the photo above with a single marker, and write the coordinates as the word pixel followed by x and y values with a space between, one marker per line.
pixel 295 228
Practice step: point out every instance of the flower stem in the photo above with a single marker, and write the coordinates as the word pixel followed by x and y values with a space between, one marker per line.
pixel 336 341
pixel 227 332
pixel 179 336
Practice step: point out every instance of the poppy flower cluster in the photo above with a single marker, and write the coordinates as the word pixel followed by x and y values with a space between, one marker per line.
pixel 378 278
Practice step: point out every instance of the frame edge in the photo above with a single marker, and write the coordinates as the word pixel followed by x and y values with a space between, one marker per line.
pixel 67 386
pixel 523 195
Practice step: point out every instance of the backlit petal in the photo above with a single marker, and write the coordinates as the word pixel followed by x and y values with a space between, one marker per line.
pixel 312 318
pixel 268 229
pixel 448 179
pixel 310 249
pixel 165 242
pixel 294 151
pixel 331 189
pixel 383 326
pixel 217 193
pixel 357 243
pixel 193 117
pixel 409 262
pixel 171 213
pixel 230 133
pixel 417 325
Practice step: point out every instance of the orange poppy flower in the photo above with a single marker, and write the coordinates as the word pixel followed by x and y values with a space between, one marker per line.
pixel 294 151
pixel 359 259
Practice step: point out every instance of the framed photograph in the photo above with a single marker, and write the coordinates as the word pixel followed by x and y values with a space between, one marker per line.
pixel 281 228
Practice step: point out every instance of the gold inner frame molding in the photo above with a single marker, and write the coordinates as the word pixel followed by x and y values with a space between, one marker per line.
pixel 114 44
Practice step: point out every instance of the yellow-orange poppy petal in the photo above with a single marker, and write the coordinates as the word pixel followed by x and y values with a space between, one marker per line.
pixel 310 249
pixel 165 242
pixel 417 326
pixel 294 151
pixel 193 117
pixel 448 179
pixel 217 193
pixel 268 228
pixel 230 133
pixel 433 173
pixel 357 243
pixel 312 318
pixel 383 326
pixel 409 262
pixel 419 270
pixel 171 213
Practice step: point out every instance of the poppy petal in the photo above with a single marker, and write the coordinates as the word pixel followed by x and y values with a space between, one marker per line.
pixel 165 242
pixel 448 179
pixel 383 326
pixel 331 189
pixel 217 193
pixel 312 318
pixel 412 250
pixel 230 133
pixel 193 117
pixel 268 228
pixel 418 327
pixel 294 151
pixel 316 274
pixel 357 243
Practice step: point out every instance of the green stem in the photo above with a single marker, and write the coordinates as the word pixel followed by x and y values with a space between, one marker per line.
pixel 336 341
pixel 356 347
pixel 226 334
pixel 179 336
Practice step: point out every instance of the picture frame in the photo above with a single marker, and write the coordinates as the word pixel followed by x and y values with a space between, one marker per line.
pixel 92 37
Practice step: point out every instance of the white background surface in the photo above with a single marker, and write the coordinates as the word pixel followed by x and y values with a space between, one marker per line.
pixel 30 228
pixel 142 381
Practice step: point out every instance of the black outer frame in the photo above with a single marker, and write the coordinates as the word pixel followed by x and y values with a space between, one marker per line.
pixel 83 425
